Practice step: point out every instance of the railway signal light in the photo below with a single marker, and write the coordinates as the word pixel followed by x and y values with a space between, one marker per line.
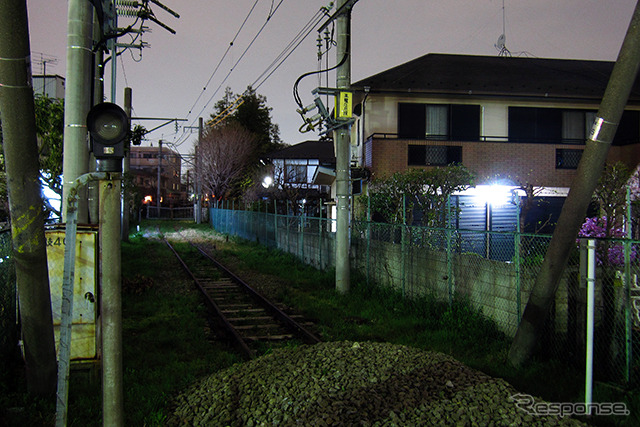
pixel 108 126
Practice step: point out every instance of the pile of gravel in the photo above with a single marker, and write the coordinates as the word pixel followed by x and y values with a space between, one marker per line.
pixel 351 383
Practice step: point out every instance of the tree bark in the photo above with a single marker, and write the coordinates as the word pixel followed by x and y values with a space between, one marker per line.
pixel 25 201
pixel 575 207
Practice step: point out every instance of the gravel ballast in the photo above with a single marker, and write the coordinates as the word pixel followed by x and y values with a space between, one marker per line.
pixel 351 383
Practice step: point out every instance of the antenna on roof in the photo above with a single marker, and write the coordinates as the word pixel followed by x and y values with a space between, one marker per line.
pixel 500 44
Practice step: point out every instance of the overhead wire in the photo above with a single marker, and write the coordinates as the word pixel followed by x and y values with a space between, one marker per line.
pixel 289 49
pixel 225 55
pixel 268 72
pixel 271 13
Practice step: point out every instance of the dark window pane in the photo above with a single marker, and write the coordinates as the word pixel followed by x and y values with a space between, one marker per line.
pixel 629 129
pixel 548 125
pixel 567 158
pixel 411 121
pixel 454 154
pixel 528 124
pixel 437 155
pixel 417 155
pixel 522 124
pixel 465 122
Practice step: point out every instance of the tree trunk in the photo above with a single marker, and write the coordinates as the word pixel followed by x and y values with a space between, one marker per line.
pixel 575 207
pixel 25 202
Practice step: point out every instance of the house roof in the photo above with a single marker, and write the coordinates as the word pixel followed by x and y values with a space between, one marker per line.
pixel 321 150
pixel 496 75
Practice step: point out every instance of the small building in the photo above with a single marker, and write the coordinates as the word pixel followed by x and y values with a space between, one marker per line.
pixel 52 86
pixel 144 163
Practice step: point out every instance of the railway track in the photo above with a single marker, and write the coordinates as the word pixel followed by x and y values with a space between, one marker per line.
pixel 247 317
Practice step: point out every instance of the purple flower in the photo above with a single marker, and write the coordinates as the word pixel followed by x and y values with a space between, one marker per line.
pixel 597 228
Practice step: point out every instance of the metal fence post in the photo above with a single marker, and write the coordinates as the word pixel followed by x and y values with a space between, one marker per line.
pixel 275 223
pixel 627 292
pixel 517 245
pixel 403 244
pixel 449 237
pixel 320 233
pixel 368 239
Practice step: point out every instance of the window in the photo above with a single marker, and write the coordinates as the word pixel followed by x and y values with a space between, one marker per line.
pixel 295 173
pixel 554 125
pixel 529 124
pixel 629 129
pixel 434 155
pixel 439 122
pixel 567 158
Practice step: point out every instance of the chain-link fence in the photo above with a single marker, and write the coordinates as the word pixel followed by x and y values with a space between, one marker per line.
pixel 493 272
pixel 8 325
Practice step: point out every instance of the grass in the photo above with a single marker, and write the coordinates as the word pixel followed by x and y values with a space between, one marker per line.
pixel 167 346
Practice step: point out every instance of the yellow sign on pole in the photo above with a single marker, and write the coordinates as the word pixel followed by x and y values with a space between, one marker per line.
pixel 83 329
pixel 344 105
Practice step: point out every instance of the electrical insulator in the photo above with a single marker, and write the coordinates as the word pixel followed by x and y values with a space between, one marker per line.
pixel 127 3
pixel 128 12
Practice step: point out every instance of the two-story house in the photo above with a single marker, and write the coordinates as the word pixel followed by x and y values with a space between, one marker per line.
pixel 303 171
pixel 525 119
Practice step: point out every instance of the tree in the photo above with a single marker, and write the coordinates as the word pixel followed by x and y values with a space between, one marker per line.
pixel 224 153
pixel 250 111
pixel 50 130
pixel 427 189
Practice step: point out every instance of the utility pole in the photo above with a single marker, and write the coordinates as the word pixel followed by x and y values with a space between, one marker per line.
pixel 199 174
pixel 343 151
pixel 125 170
pixel 111 301
pixel 575 207
pixel 25 202
pixel 77 101
pixel 159 176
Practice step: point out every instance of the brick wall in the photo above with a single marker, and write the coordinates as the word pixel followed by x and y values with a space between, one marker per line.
pixel 528 162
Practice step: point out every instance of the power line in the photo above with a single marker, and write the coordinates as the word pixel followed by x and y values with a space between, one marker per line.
pixel 290 48
pixel 223 56
pixel 271 13
pixel 275 64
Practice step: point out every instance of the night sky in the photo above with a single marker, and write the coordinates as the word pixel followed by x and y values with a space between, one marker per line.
pixel 169 78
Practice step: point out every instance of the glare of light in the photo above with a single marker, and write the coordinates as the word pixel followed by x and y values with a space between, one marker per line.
pixel 147 199
pixel 267 181
pixel 495 194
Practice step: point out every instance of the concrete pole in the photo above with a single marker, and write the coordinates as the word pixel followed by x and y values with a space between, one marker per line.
pixel 114 56
pixel 77 101
pixel 125 170
pixel 343 155
pixel 158 195
pixel 111 302
pixel 199 174
pixel 575 206
pixel 25 201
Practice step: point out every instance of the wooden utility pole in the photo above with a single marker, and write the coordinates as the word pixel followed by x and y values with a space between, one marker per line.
pixel 573 212
pixel 25 202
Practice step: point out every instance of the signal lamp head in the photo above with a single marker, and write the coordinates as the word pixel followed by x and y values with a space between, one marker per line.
pixel 108 126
